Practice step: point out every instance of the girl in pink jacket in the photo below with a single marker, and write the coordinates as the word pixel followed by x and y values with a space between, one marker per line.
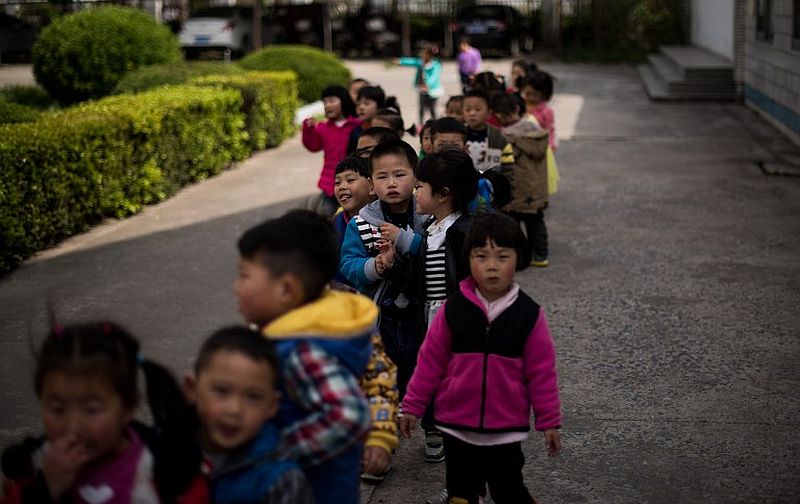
pixel 331 137
pixel 489 360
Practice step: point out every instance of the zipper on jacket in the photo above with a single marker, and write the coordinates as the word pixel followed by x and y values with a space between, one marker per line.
pixel 485 372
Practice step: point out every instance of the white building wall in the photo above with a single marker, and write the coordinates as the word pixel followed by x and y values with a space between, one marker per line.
pixel 713 26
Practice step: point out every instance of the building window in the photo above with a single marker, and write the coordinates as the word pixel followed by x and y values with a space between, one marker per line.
pixel 796 25
pixel 764 20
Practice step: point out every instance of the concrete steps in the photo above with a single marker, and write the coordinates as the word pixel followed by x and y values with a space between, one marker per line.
pixel 688 73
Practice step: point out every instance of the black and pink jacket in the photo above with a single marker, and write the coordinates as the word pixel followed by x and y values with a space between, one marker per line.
pixel 487 377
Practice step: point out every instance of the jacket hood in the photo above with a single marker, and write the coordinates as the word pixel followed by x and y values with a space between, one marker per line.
pixel 335 315
pixel 531 142
pixel 373 214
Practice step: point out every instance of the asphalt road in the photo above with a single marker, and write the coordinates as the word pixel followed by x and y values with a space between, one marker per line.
pixel 673 294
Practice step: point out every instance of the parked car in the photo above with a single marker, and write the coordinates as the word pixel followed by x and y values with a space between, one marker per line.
pixel 223 28
pixel 16 38
pixel 493 28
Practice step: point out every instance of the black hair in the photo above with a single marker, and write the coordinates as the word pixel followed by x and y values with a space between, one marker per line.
pixel 526 64
pixel 301 243
pixel 357 79
pixel 392 116
pixel 508 104
pixel 489 82
pixel 105 349
pixel 348 107
pixel 426 126
pixel 450 172
pixel 454 98
pixel 448 125
pixel 463 39
pixel 376 94
pixel 242 340
pixel 353 164
pixel 478 93
pixel 380 134
pixel 503 231
pixel 540 81
pixel 397 148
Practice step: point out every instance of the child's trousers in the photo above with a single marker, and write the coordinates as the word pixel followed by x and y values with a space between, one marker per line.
pixel 402 337
pixel 536 230
pixel 470 467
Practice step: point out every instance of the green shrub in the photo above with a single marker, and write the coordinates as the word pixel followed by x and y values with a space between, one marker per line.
pixel 84 55
pixel 656 22
pixel 315 69
pixel 269 103
pixel 16 113
pixel 152 76
pixel 109 158
pixel 30 96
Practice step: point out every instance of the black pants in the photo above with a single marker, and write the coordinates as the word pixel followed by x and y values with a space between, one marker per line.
pixel 426 101
pixel 470 467
pixel 401 340
pixel 536 231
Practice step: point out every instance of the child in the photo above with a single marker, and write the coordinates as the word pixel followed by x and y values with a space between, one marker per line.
pixel 455 108
pixel 371 99
pixel 446 184
pixel 537 90
pixel 490 324
pixel 491 84
pixel 322 338
pixel 234 388
pixel 428 79
pixel 528 178
pixel 392 119
pixel 86 381
pixel 520 68
pixel 448 133
pixel 485 144
pixel 372 137
pixel 380 229
pixel 354 86
pixel 331 137
pixel 469 62
pixel 425 142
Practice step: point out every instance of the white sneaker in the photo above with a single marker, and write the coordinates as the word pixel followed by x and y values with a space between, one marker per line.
pixel 440 498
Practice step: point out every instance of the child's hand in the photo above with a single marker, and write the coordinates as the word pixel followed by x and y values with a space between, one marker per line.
pixel 407 424
pixel 389 232
pixel 311 122
pixel 375 460
pixel 388 253
pixel 60 466
pixel 552 441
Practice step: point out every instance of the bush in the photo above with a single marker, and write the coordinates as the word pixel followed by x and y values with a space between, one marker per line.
pixel 16 113
pixel 656 22
pixel 315 69
pixel 84 55
pixel 152 76
pixel 109 158
pixel 30 96
pixel 269 103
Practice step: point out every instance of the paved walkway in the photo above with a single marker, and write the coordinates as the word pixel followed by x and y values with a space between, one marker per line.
pixel 673 294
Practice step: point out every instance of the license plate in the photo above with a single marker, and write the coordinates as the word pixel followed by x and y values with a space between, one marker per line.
pixel 476 29
pixel 202 40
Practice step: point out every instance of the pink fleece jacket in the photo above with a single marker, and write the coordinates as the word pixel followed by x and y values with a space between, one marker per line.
pixel 332 140
pixel 484 391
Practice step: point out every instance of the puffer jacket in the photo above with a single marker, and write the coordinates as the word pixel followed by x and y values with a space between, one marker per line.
pixel 528 176
pixel 332 140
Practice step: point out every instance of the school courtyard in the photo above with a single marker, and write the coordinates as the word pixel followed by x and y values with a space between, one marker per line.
pixel 673 292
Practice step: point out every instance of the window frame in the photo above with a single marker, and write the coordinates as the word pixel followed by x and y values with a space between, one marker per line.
pixel 765 31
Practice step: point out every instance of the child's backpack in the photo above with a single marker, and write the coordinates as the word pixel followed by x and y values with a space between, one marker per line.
pixel 494 192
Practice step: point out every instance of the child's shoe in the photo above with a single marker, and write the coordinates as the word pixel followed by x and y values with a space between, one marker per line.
pixel 377 478
pixel 540 261
pixel 440 498
pixel 434 447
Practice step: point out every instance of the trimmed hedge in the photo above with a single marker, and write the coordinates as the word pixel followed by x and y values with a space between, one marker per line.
pixel 30 96
pixel 315 69
pixel 152 76
pixel 15 113
pixel 83 55
pixel 72 168
pixel 269 103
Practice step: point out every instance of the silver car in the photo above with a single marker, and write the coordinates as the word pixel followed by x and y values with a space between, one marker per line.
pixel 218 28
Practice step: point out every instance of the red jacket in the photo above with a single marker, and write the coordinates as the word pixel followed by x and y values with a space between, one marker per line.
pixel 333 140
pixel 487 377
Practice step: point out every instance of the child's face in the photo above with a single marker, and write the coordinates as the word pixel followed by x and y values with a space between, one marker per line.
pixel 444 141
pixel 393 180
pixel 85 410
pixel 476 110
pixel 352 191
pixel 517 72
pixel 427 201
pixel 234 395
pixel 425 140
pixel 507 119
pixel 262 296
pixel 493 269
pixel 333 107
pixel 354 89
pixel 530 95
pixel 456 111
pixel 366 109
pixel 364 146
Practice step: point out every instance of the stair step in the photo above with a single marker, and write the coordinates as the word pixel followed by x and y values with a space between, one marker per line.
pixel 660 90
pixel 664 68
pixel 696 63
pixel 655 87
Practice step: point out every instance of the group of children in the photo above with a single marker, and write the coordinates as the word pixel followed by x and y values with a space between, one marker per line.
pixel 397 304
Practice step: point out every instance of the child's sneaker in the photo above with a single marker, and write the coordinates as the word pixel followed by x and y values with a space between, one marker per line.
pixel 373 478
pixel 434 448
pixel 540 261
pixel 440 498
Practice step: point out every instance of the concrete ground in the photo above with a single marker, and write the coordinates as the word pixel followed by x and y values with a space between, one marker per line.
pixel 673 294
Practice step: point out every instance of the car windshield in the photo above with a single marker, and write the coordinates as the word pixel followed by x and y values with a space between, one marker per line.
pixel 484 12
pixel 221 12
